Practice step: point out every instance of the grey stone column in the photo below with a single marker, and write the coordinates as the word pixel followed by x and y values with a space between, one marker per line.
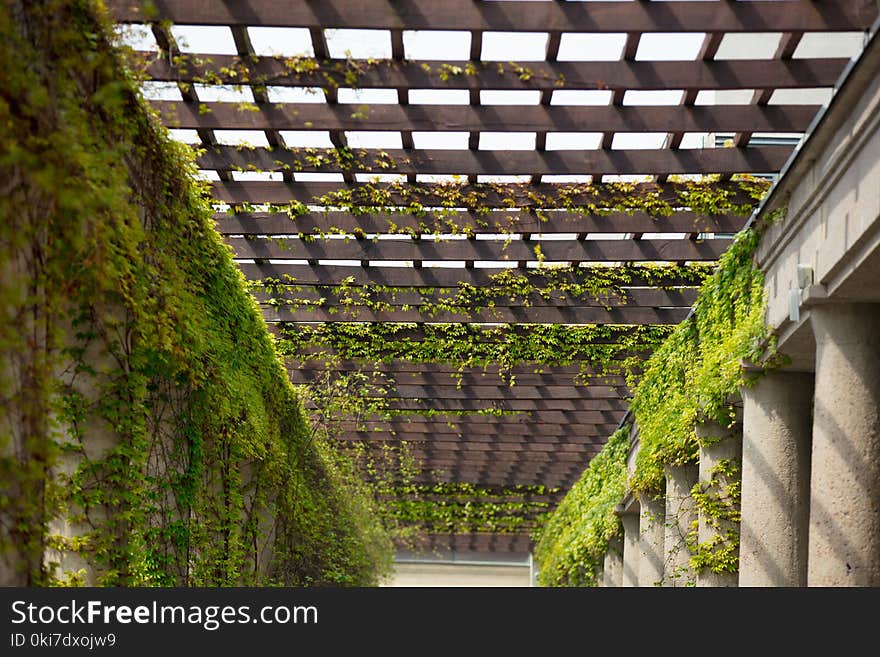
pixel 652 517
pixel 777 434
pixel 844 547
pixel 729 447
pixel 630 549
pixel 612 570
pixel 680 518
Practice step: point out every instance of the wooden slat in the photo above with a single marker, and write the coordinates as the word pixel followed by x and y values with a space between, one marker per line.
pixel 630 298
pixel 493 427
pixel 479 477
pixel 522 453
pixel 321 116
pixel 316 377
pixel 506 462
pixel 395 276
pixel 525 450
pixel 546 315
pixel 264 223
pixel 527 473
pixel 545 417
pixel 636 75
pixel 561 462
pixel 308 369
pixel 539 405
pixel 529 497
pixel 482 250
pixel 599 414
pixel 515 543
pixel 516 451
pixel 513 16
pixel 501 431
pixel 518 393
pixel 540 196
pixel 474 334
pixel 442 446
pixel 754 159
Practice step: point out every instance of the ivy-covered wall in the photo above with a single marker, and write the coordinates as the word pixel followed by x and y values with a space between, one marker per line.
pixel 572 544
pixel 693 377
pixel 698 370
pixel 148 432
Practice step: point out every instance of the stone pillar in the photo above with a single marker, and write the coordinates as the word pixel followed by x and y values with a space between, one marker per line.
pixel 630 575
pixel 777 433
pixel 844 548
pixel 612 570
pixel 680 519
pixel 651 535
pixel 728 447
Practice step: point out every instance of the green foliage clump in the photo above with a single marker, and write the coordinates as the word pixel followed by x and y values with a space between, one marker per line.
pixel 461 508
pixel 611 349
pixel 572 544
pixel 718 503
pixel 149 434
pixel 698 369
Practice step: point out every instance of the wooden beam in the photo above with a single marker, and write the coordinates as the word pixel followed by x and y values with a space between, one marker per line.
pixel 403 276
pixel 475 334
pixel 756 159
pixel 539 405
pixel 615 75
pixel 512 16
pixel 515 471
pixel 481 250
pixel 518 543
pixel 500 431
pixel 518 393
pixel 265 223
pixel 321 116
pixel 477 476
pixel 308 369
pixel 532 459
pixel 511 451
pixel 546 315
pixel 630 298
pixel 540 196
pixel 496 425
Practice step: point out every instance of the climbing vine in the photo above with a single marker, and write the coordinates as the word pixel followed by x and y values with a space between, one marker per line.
pixel 694 375
pixel 609 349
pixel 604 286
pixel 571 545
pixel 460 507
pixel 705 196
pixel 718 502
pixel 149 434
pixel 697 371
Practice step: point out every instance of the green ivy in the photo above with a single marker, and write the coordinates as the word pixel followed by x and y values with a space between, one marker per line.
pixel 611 349
pixel 698 370
pixel 605 285
pixel 142 400
pixel 693 376
pixel 571 545
pixel 706 197
pixel 459 507
pixel 718 502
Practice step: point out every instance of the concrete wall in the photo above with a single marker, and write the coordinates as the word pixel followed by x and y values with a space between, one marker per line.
pixel 833 220
pixel 822 261
pixel 428 573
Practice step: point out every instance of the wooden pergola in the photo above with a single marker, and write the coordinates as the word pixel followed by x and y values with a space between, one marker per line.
pixel 561 421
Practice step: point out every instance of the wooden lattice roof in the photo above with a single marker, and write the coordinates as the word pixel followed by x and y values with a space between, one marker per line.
pixel 562 421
